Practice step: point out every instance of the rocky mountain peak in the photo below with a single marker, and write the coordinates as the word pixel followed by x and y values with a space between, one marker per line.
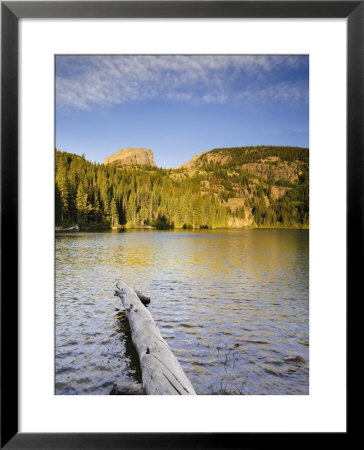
pixel 131 157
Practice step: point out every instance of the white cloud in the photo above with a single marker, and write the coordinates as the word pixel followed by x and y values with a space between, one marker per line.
pixel 289 93
pixel 84 82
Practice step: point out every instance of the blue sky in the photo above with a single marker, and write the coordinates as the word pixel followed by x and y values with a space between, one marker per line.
pixel 179 105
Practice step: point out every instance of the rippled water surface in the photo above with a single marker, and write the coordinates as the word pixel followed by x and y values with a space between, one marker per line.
pixel 232 305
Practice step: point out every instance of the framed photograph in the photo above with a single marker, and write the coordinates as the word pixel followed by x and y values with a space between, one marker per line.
pixel 179 216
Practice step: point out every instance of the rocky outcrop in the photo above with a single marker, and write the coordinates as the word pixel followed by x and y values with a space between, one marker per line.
pixel 207 158
pixel 282 170
pixel 234 222
pixel 278 192
pixel 193 162
pixel 131 157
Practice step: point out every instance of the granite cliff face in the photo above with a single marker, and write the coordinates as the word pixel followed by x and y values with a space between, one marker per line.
pixel 131 157
pixel 270 168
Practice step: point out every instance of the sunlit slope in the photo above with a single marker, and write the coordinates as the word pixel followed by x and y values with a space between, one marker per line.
pixel 229 187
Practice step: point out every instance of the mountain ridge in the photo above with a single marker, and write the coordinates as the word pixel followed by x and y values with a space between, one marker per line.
pixel 265 186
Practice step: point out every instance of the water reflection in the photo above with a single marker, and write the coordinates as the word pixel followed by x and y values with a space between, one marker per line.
pixel 232 304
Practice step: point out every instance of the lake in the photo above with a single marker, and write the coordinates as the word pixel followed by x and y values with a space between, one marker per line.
pixel 232 304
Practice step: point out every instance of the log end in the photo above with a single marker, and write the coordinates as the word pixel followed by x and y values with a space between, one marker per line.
pixel 143 298
pixel 120 292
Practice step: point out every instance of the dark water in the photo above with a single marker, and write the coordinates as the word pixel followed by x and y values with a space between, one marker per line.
pixel 232 305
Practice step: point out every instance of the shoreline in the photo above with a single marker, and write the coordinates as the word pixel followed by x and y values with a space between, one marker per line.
pixel 150 228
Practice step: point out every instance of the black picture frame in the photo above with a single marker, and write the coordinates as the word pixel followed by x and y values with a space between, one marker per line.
pixel 11 12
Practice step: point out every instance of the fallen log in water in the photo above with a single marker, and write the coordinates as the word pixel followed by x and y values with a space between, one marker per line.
pixel 73 228
pixel 161 372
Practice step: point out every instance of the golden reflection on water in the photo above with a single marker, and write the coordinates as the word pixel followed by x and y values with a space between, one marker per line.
pixel 230 303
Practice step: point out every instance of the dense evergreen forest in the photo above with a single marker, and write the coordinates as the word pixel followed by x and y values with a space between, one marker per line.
pixel 241 155
pixel 246 186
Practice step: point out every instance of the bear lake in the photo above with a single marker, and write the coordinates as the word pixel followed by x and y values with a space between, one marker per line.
pixel 233 305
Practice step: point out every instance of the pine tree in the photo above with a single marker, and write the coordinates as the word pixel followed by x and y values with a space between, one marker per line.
pixel 82 204
pixel 114 214
pixel 63 190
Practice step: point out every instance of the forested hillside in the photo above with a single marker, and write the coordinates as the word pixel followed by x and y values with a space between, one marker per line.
pixel 236 187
